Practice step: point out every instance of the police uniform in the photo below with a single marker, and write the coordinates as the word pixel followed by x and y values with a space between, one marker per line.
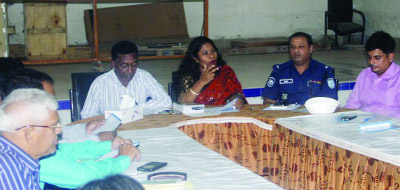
pixel 318 80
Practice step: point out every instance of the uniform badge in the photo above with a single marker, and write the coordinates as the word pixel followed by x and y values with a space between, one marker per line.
pixel 271 82
pixel 331 83
pixel 285 81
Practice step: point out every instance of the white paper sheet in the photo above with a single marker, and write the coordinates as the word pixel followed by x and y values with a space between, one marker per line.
pixel 282 108
pixel 205 168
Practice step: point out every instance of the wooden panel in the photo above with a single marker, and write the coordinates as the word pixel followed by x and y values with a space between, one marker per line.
pixel 45 15
pixel 46 46
pixel 45 31
pixel 3 34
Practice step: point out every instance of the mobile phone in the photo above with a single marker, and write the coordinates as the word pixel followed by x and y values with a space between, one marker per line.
pixel 112 123
pixel 151 166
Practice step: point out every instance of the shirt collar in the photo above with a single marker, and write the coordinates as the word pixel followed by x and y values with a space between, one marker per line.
pixel 117 79
pixel 11 148
pixel 390 72
pixel 308 71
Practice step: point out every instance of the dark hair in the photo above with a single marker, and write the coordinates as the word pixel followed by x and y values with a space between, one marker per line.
pixel 13 81
pixel 189 66
pixel 123 47
pixel 114 182
pixel 35 75
pixel 380 40
pixel 301 34
pixel 8 64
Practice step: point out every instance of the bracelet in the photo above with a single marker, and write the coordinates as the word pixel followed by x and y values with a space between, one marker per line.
pixel 193 92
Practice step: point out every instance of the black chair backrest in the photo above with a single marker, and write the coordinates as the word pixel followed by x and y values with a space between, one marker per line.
pixel 80 86
pixel 343 9
pixel 175 87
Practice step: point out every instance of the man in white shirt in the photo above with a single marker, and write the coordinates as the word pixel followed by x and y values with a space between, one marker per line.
pixel 125 79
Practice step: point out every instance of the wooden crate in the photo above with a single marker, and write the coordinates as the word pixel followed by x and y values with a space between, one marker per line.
pixel 45 31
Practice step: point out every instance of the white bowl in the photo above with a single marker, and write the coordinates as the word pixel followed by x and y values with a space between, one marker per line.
pixel 321 105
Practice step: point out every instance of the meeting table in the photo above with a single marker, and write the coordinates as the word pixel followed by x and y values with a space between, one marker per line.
pixel 289 149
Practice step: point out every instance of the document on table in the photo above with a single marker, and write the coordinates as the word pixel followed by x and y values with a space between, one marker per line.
pixel 230 107
pixel 282 107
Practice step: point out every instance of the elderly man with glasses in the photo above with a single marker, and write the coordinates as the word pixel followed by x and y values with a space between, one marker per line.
pixel 125 79
pixel 74 164
pixel 29 126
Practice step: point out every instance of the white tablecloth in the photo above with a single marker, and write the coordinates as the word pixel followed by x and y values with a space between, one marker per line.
pixel 206 169
pixel 381 145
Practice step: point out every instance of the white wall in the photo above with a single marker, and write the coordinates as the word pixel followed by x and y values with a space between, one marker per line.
pixel 229 19
pixel 232 19
pixel 380 15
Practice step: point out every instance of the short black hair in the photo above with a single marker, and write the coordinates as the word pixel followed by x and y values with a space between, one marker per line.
pixel 8 64
pixel 380 40
pixel 115 182
pixel 302 34
pixel 13 81
pixel 123 47
pixel 36 75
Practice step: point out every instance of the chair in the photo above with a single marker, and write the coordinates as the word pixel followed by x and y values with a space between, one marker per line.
pixel 339 18
pixel 80 86
pixel 173 88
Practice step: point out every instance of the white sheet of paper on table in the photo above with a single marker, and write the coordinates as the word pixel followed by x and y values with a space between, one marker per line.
pixel 282 108
pixel 230 107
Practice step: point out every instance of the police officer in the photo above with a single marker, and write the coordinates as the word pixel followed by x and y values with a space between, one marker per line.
pixel 300 78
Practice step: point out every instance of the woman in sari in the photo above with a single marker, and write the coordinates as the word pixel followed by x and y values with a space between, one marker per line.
pixel 204 77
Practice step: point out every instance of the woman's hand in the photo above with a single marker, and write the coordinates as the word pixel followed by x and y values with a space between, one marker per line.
pixel 207 74
pixel 239 103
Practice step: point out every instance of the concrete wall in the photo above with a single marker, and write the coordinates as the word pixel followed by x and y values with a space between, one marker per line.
pixel 229 19
pixel 232 19
pixel 380 15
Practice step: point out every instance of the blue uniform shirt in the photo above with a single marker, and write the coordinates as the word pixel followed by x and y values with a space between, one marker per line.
pixel 318 80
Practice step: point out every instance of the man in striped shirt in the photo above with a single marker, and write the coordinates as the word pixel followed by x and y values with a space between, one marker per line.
pixel 29 126
pixel 125 79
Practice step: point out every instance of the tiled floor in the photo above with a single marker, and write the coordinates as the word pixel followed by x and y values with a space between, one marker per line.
pixel 252 70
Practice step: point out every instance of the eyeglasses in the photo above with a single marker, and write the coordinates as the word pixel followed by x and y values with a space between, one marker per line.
pixel 125 65
pixel 58 126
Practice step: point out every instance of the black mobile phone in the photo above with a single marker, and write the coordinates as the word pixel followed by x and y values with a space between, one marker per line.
pixel 151 166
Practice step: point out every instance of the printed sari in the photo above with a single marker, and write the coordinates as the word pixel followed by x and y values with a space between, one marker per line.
pixel 218 91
